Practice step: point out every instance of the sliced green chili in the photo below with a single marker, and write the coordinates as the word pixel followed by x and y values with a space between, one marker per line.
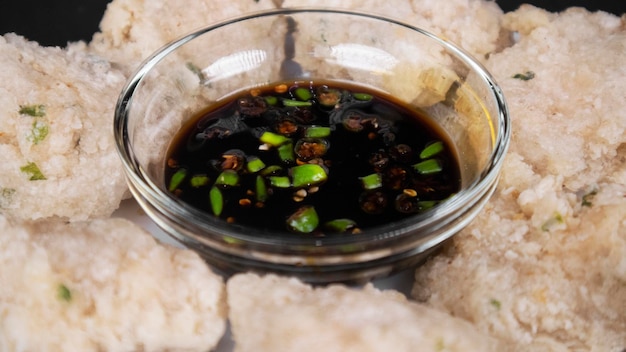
pixel 311 148
pixel 217 200
pixel 307 175
pixel 286 154
pixel 227 178
pixel 362 96
pixel 199 180
pixel 279 181
pixel 372 181
pixel 271 170
pixel 340 225
pixel 304 220
pixel 296 103
pixel 317 132
pixel 39 131
pixel 273 139
pixel 426 204
pixel 177 178
pixel 428 167
pixel 271 100
pixel 281 160
pixel 302 94
pixel 255 164
pixel 260 189
pixel 231 240
pixel 328 97
pixel 432 150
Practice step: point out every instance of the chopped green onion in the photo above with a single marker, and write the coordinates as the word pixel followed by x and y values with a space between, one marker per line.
pixel 525 76
pixel 340 225
pixel 307 175
pixel 64 293
pixel 362 96
pixel 33 170
pixel 495 303
pixel 279 181
pixel 273 139
pixel 217 200
pixel 555 220
pixel 296 103
pixel 304 220
pixel 428 167
pixel 199 180
pixel 39 131
pixel 432 150
pixel 6 196
pixel 372 181
pixel 227 178
pixel 255 164
pixel 586 202
pixel 302 94
pixel 286 154
pixel 260 189
pixel 317 132
pixel 33 110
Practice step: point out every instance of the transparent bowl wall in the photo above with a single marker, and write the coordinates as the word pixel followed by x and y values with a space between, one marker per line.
pixel 301 45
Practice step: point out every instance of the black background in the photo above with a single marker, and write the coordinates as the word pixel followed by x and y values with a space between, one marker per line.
pixel 55 22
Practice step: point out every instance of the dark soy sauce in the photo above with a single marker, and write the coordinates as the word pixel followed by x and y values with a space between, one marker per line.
pixel 378 159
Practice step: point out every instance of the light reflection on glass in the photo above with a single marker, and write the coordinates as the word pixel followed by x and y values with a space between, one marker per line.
pixel 234 64
pixel 362 57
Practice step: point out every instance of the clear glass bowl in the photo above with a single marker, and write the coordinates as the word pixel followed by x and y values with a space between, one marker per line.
pixel 301 44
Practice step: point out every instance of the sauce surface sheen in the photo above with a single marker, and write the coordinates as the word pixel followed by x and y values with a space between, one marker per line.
pixel 377 159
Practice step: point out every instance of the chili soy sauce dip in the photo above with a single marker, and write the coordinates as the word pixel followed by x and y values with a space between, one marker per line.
pixel 318 157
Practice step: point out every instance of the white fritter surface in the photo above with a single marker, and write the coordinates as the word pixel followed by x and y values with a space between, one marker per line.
pixel 277 314
pixel 104 285
pixel 474 25
pixel 131 30
pixel 57 154
pixel 545 263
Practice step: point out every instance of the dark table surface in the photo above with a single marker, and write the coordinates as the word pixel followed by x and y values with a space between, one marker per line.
pixel 55 22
